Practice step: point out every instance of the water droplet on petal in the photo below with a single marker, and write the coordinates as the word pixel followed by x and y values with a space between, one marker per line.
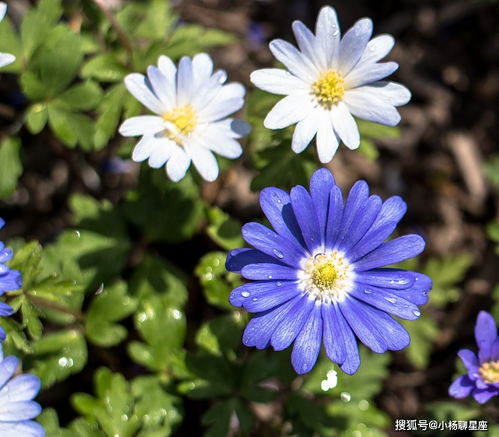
pixel 255 299
pixel 270 276
pixel 245 294
pixel 278 284
pixel 372 48
pixel 368 291
pixel 278 254
pixel 416 313
pixel 391 299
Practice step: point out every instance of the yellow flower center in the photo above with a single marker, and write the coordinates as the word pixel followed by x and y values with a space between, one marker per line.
pixel 329 88
pixel 326 276
pixel 489 372
pixel 183 120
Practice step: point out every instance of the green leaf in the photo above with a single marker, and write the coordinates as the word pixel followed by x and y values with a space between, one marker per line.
pixel 150 207
pixel 368 149
pixel 104 68
pixel 445 274
pixel 36 117
pixel 220 417
pixel 157 22
pixel 491 168
pixel 493 233
pixel 62 126
pixel 111 305
pixel 10 43
pixel 423 332
pixel 224 230
pixel 191 39
pixel 37 23
pixel 57 61
pixel 83 96
pixel 58 355
pixel 217 283
pixel 221 336
pixel 163 329
pixel 109 115
pixel 50 422
pixel 32 86
pixel 11 166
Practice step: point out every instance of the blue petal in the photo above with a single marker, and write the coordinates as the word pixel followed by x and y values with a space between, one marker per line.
pixel 334 217
pixel 262 296
pixel 461 387
pixel 12 280
pixel 392 211
pixel 494 356
pixel 19 411
pixel 267 271
pixel 418 293
pixel 276 205
pixel 7 369
pixel 238 258
pixel 2 223
pixel 469 359
pixel 362 221
pixel 291 326
pixel 485 330
pixel 356 198
pixel 321 184
pixel 261 327
pixel 387 278
pixel 26 428
pixel 5 310
pixel 360 321
pixel 267 241
pixel 304 210
pixel 308 344
pixel 5 255
pixel 339 340
pixel 386 301
pixel 483 395
pixel 392 252
pixel 20 388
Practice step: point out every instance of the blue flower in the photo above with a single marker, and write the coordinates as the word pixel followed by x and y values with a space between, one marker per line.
pixel 9 280
pixel 318 277
pixel 482 379
pixel 17 407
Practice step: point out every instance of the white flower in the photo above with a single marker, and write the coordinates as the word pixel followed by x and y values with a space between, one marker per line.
pixel 192 105
pixel 5 58
pixel 330 79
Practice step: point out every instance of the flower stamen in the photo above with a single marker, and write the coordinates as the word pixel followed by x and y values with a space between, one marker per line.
pixel 489 372
pixel 329 88
pixel 182 121
pixel 326 276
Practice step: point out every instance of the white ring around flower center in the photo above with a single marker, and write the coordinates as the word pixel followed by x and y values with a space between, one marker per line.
pixel 327 277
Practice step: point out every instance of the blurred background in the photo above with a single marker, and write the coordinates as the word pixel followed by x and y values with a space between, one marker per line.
pixel 443 159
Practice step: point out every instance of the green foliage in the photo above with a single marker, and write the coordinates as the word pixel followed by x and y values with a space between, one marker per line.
pixel 10 165
pixel 491 168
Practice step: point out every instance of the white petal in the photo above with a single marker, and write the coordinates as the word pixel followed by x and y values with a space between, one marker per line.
pixel 137 86
pixel 21 429
pixel 144 148
pixel 278 81
pixel 161 153
pixel 205 163
pixel 352 45
pixel 288 111
pixel 345 125
pixel 368 73
pixel 202 68
pixel 177 165
pixel 7 368
pixel 294 61
pixel 304 132
pixel 167 67
pixel 327 141
pixel 21 388
pixel 162 87
pixel 367 106
pixel 3 10
pixel 6 59
pixel 327 31
pixel 392 93
pixel 219 138
pixel 229 99
pixel 141 125
pixel 377 49
pixel 185 81
pixel 309 46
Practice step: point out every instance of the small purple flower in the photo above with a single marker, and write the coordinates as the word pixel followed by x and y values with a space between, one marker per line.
pixel 319 276
pixel 482 379
pixel 9 279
